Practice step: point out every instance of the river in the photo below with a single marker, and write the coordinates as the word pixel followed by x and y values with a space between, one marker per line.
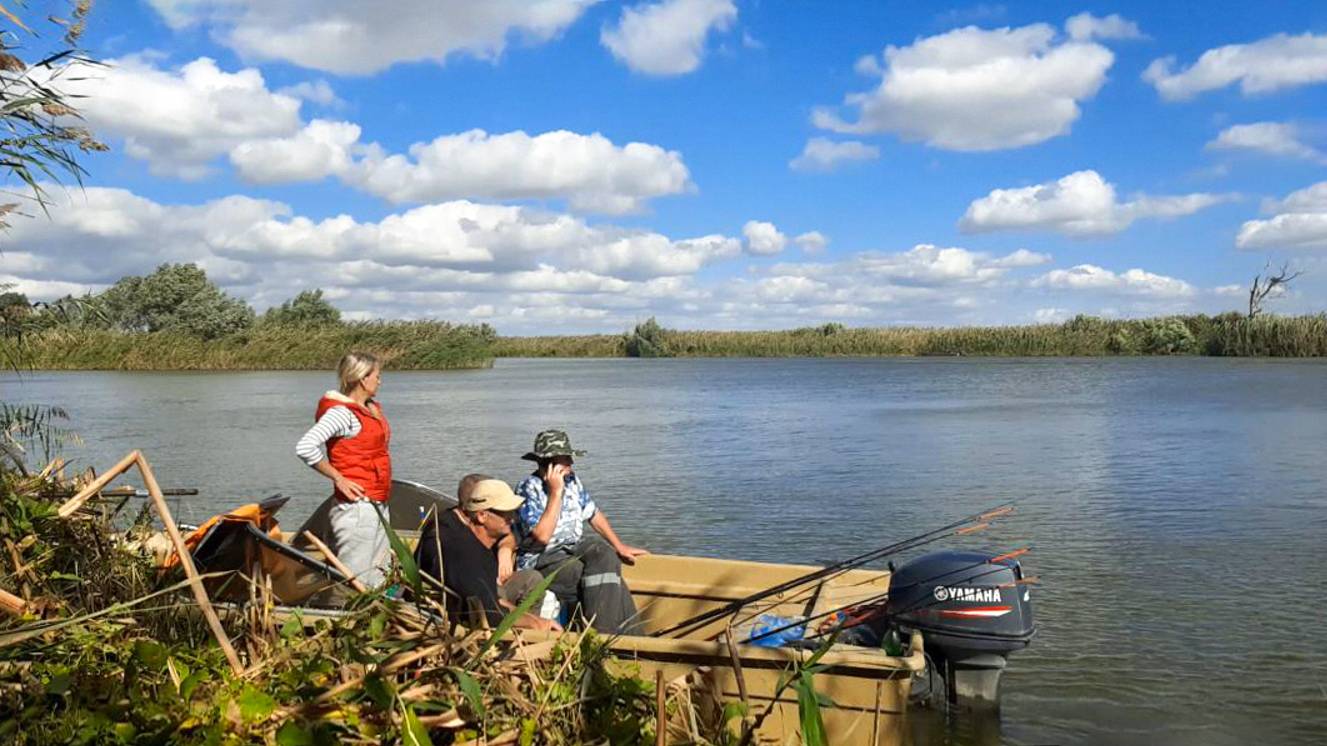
pixel 1176 508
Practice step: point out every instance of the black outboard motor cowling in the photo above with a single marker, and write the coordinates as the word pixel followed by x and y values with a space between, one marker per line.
pixel 972 612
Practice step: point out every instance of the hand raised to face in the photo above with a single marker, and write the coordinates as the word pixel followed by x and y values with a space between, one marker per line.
pixel 555 475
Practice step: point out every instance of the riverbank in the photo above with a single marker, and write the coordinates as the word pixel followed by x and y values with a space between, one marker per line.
pixel 436 345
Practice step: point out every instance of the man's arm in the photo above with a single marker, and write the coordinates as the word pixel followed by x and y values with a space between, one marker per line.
pixel 627 552
pixel 506 558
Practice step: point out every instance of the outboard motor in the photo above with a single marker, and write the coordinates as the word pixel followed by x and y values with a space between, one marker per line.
pixel 972 611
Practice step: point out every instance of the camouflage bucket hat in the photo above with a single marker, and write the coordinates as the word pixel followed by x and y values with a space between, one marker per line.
pixel 552 443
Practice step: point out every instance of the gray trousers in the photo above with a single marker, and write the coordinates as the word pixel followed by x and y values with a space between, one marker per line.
pixel 352 531
pixel 590 574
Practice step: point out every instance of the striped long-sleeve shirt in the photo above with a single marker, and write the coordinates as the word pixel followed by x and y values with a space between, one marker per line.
pixel 336 422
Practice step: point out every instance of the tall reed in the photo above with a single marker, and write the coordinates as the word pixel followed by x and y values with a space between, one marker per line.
pixel 405 345
pixel 1226 334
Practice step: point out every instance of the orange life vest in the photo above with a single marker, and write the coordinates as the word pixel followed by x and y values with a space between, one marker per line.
pixel 362 459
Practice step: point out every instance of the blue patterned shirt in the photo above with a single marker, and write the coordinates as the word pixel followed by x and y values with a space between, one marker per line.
pixel 577 508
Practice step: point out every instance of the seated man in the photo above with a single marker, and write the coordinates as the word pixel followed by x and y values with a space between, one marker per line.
pixel 462 545
pixel 551 536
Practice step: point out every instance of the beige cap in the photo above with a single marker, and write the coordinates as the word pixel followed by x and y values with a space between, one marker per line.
pixel 490 494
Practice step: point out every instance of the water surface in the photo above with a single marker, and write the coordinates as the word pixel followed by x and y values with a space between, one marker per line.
pixel 1177 508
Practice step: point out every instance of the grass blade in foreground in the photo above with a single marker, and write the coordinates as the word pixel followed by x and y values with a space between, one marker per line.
pixel 515 614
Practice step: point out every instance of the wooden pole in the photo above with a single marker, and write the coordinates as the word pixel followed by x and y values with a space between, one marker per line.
pixel 76 502
pixel 661 712
pixel 335 561
pixel 187 562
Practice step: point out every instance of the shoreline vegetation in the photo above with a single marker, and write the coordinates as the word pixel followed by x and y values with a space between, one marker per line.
pixel 177 319
pixel 437 345
pixel 98 644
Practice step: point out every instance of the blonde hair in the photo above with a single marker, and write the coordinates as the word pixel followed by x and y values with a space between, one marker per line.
pixel 353 368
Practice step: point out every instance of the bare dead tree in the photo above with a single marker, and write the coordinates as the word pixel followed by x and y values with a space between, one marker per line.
pixel 1266 283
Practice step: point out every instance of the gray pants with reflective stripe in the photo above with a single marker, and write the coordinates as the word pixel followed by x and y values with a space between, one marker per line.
pixel 591 574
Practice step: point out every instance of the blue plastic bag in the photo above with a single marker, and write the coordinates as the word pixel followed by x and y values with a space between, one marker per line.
pixel 766 623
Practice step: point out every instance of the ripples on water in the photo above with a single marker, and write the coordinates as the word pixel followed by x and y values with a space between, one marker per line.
pixel 1176 507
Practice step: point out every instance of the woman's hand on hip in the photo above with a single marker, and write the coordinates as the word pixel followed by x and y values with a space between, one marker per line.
pixel 350 489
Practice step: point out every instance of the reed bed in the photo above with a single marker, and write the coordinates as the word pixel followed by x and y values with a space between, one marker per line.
pixel 1223 335
pixel 430 345
pixel 589 345
pixel 404 345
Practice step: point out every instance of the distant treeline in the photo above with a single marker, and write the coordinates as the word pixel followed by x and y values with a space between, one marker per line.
pixel 1230 334
pixel 177 319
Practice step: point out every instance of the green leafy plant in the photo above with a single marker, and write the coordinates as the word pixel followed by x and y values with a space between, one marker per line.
pixel 648 339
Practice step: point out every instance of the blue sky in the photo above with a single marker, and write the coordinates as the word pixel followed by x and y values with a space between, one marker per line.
pixel 570 166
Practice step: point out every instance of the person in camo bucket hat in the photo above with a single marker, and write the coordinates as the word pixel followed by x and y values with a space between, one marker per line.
pixel 552 443
pixel 550 532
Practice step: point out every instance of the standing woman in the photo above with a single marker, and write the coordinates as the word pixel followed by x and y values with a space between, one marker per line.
pixel 348 445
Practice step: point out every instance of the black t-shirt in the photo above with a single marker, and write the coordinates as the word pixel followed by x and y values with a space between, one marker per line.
pixel 470 569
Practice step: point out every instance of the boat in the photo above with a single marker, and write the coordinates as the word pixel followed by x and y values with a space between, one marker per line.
pixel 965 611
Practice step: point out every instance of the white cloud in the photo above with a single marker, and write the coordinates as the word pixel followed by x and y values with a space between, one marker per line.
pixel 812 242
pixel 972 89
pixel 589 171
pixel 927 265
pixel 1080 204
pixel 315 92
pixel 97 234
pixel 1050 315
pixel 357 38
pixel 667 37
pixel 180 120
pixel 1090 277
pixel 823 154
pixel 1271 138
pixel 762 238
pixel 1086 26
pixel 1022 258
pixel 1300 222
pixel 322 148
pixel 1271 64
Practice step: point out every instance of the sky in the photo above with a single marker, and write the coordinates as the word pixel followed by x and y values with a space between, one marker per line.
pixel 572 166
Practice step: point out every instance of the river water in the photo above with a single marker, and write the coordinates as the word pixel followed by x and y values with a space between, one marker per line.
pixel 1177 508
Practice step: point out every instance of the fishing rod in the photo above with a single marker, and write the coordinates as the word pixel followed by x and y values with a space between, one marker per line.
pixel 130 491
pixel 877 600
pixel 695 621
pixel 811 590
pixel 871 606
pixel 140 492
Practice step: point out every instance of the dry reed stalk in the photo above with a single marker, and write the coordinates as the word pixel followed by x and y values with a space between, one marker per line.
pixel 736 660
pixel 660 712
pixel 562 670
pixel 187 562
pixel 74 503
pixel 11 604
pixel 335 561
